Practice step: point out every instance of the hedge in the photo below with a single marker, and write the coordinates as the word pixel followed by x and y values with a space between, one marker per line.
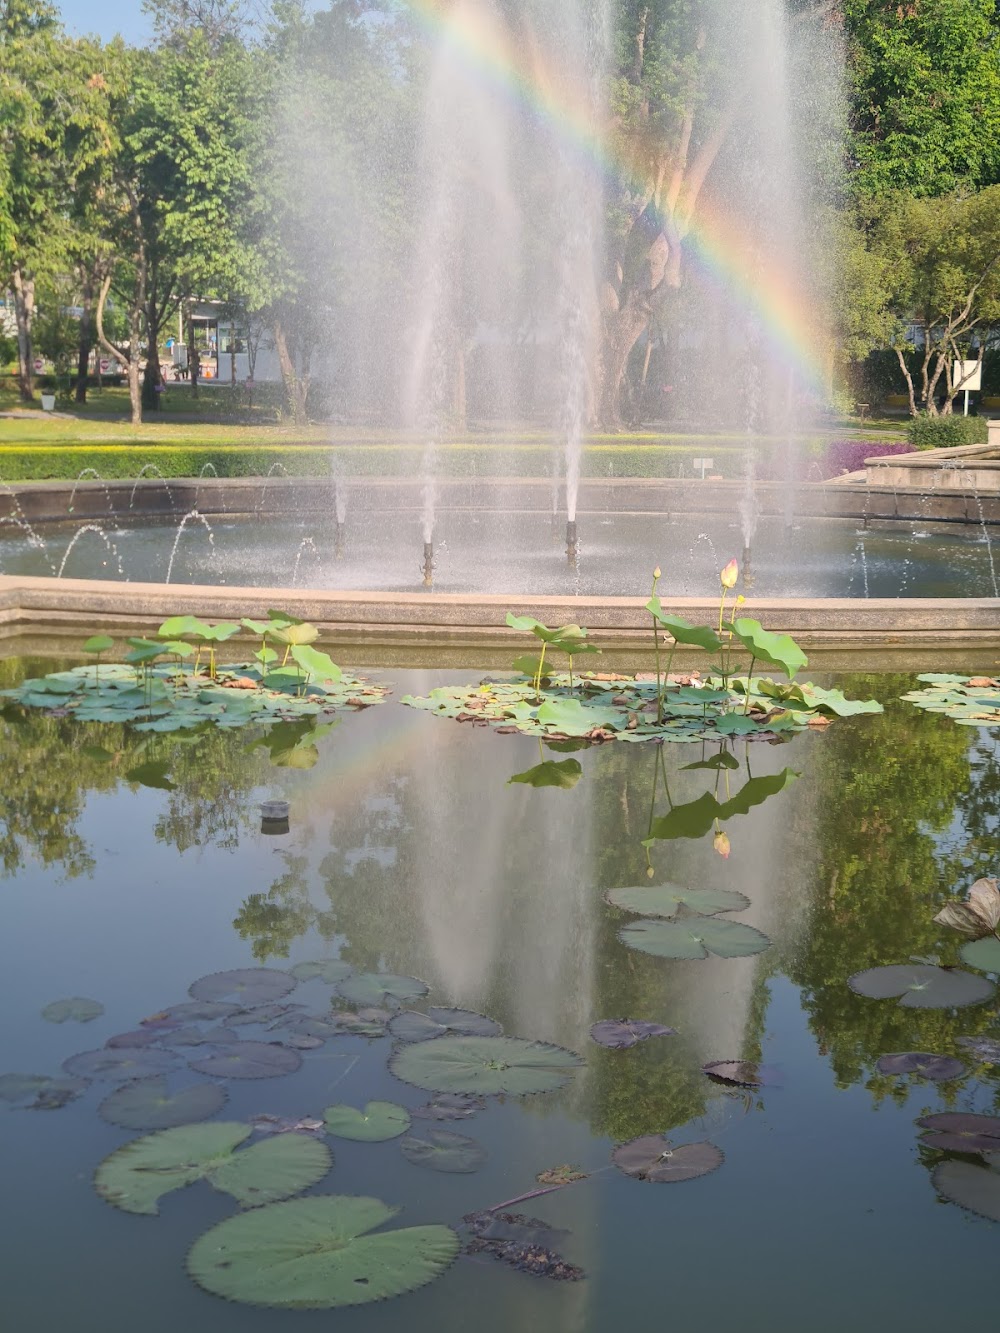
pixel 927 432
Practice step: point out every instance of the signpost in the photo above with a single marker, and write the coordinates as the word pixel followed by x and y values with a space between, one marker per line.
pixel 969 374
pixel 706 465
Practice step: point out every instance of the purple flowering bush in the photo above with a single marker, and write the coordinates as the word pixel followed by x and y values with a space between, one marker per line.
pixel 841 456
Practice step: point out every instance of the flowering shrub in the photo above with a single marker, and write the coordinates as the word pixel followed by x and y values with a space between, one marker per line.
pixel 841 456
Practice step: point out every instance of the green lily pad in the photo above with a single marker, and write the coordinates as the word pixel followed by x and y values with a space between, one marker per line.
pixel 413 1026
pixel 563 776
pixel 694 937
pixel 330 970
pixel 921 986
pixel 249 1059
pixel 135 1177
pixel 318 1254
pixel 778 650
pixel 118 1065
pixel 247 986
pixel 147 1104
pixel 378 1122
pixel 975 1188
pixel 666 899
pixel 486 1065
pixel 443 1150
pixel 983 954
pixel 381 989
pixel 77 1009
pixel 569 717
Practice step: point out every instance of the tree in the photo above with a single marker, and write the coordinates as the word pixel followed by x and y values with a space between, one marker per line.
pixel 939 266
pixel 924 83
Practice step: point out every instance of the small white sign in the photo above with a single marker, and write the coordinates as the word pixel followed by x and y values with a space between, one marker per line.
pixel 704 464
pixel 971 369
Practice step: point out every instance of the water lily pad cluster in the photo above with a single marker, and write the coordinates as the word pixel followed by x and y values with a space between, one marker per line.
pixel 602 708
pixel 684 923
pixel 971 701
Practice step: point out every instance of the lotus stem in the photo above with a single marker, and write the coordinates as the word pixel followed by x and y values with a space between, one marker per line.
pixel 746 706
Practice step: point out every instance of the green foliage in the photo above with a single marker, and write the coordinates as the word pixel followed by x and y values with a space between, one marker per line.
pixel 925 432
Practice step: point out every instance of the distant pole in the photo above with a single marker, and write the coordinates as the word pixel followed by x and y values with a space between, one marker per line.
pixel 966 402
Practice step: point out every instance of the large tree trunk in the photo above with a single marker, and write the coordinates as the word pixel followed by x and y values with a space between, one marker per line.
pixel 296 386
pixel 130 363
pixel 24 310
pixel 153 376
pixel 86 343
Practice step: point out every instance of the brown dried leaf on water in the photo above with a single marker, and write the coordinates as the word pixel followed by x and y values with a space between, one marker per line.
pixel 984 683
pixel 979 915
pixel 561 1175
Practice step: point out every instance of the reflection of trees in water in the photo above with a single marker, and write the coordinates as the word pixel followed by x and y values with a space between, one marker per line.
pixel 892 788
pixel 272 921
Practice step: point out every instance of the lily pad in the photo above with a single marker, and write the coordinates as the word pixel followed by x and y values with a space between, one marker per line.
pixel 450 1106
pixel 318 1254
pixel 140 1037
pixel 920 986
pixel 247 986
pixel 738 1073
pixel 195 1036
pixel 378 1122
pixel 118 1065
pixel 975 1188
pixel 694 937
pixel 77 1009
pixel 652 1158
pixel 444 1150
pixel 381 988
pixel 40 1092
pixel 199 1011
pixel 564 776
pixel 330 970
pixel 938 1068
pixel 621 1033
pixel 959 1131
pixel 249 1059
pixel 983 954
pixel 135 1177
pixel 665 900
pixel 413 1026
pixel 147 1104
pixel 486 1065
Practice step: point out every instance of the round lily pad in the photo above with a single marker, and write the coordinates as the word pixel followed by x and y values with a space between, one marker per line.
pixel 443 1150
pixel 381 988
pixel 135 1177
pixel 147 1104
pixel 118 1065
pixel 376 1123
pixel 249 1059
pixel 318 1254
pixel 200 1011
pixel 621 1033
pixel 653 1158
pixel 413 1026
pixel 922 986
pixel 938 1068
pixel 666 899
pixel 194 1036
pixel 960 1131
pixel 487 1065
pixel 264 1013
pixel 77 1009
pixel 140 1037
pixel 694 937
pixel 976 1188
pixel 983 954
pixel 330 970
pixel 246 986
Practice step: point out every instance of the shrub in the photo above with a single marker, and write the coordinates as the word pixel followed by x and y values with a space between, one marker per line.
pixel 843 456
pixel 926 432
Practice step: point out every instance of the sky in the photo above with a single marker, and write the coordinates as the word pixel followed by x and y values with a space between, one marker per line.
pixel 105 18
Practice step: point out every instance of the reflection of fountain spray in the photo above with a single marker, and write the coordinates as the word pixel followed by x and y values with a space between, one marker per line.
pixel 192 515
pixel 306 544
pixel 109 544
pixel 153 470
pixel 339 506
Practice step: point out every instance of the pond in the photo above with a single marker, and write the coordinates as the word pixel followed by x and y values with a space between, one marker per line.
pixel 135 864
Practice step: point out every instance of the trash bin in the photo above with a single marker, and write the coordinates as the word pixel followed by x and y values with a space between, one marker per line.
pixel 48 402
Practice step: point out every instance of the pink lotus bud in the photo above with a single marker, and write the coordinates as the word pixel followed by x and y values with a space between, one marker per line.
pixel 721 843
pixel 730 574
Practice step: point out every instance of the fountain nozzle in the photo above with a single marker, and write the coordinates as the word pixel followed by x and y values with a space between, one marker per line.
pixel 571 541
pixel 747 568
pixel 428 564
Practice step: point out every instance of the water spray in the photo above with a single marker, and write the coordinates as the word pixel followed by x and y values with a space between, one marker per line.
pixel 429 564
pixel 338 539
pixel 571 546
pixel 747 568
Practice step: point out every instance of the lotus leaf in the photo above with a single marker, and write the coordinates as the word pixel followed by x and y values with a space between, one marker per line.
pixel 966 703
pixel 570 717
pixel 665 900
pixel 778 650
pixel 938 1068
pixel 653 1158
pixel 318 1254
pixel 78 1009
pixel 486 1065
pixel 135 1177
pixel 265 1013
pixel 316 664
pixel 920 986
pixel 295 634
pixel 115 1066
pixel 443 1150
pixel 192 1036
pixel 694 937
pixel 248 986
pixel 147 1104
pixel 722 760
pixel 983 954
pixel 682 631
pixel 621 1033
pixel 376 1123
pixel 959 1131
pixel 413 1026
pixel 140 1037
pixel 200 1011
pixel 975 1188
pixel 99 643
pixel 563 775
pixel 330 970
pixel 450 1106
pixel 249 1059
pixel 381 988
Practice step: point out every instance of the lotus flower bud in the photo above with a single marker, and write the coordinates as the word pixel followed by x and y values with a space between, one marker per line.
pixel 722 845
pixel 730 574
pixel 656 572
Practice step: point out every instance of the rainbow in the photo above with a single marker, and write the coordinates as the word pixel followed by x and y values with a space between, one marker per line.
pixel 768 291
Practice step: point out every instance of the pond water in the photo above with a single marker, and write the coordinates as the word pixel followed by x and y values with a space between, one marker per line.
pixel 408 852
pixel 523 552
